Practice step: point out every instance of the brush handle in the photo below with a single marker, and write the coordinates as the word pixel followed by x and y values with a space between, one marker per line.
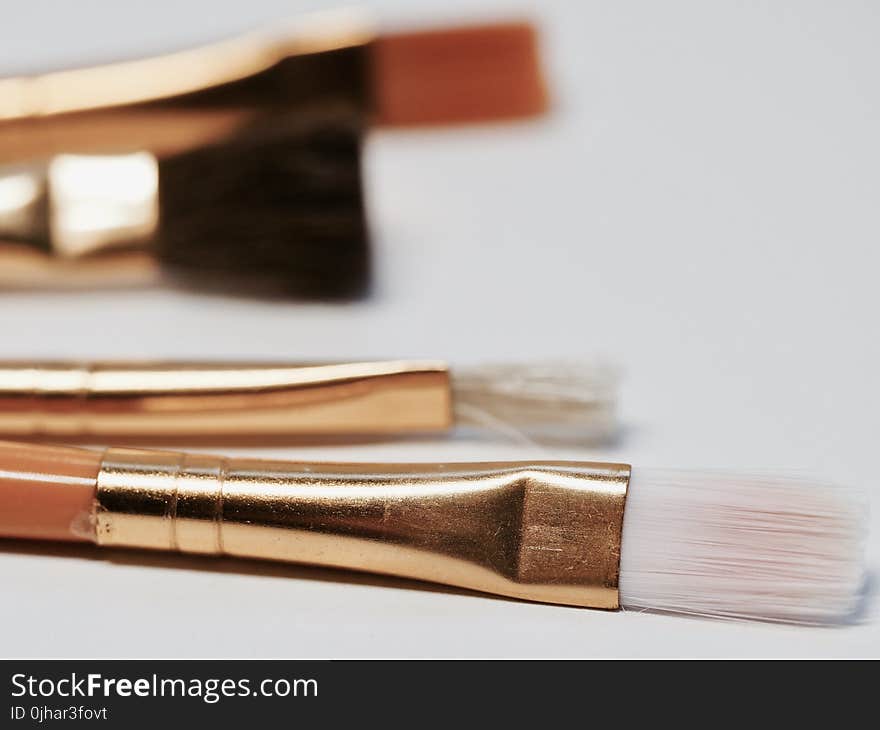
pixel 230 402
pixel 540 531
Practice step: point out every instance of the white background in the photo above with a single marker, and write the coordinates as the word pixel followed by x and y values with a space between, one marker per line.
pixel 701 207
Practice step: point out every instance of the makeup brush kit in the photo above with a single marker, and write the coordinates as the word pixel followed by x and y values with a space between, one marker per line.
pixel 237 167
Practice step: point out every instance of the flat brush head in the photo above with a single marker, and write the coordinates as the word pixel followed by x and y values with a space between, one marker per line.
pixel 742 547
pixel 465 74
pixel 279 208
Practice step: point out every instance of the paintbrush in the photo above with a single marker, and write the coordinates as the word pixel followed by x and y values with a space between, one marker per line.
pixel 574 533
pixel 549 402
pixel 236 165
pixel 443 75
pixel 276 209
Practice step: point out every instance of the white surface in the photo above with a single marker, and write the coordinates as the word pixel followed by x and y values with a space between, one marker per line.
pixel 702 207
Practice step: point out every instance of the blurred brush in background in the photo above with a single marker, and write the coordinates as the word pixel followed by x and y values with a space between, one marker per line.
pixel 235 165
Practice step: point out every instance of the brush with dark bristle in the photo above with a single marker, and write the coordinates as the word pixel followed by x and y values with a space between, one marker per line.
pixel 279 207
pixel 257 190
pixel 275 208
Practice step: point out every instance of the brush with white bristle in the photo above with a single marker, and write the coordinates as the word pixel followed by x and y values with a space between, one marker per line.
pixel 239 401
pixel 742 547
pixel 588 534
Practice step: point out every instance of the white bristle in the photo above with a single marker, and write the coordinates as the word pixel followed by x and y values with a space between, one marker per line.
pixel 741 546
pixel 549 402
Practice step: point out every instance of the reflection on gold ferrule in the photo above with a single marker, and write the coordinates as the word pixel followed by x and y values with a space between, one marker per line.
pixel 237 400
pixel 179 74
pixel 168 104
pixel 75 206
pixel 541 531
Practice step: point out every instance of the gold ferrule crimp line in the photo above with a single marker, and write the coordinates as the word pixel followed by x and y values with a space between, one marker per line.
pixel 542 531
pixel 161 500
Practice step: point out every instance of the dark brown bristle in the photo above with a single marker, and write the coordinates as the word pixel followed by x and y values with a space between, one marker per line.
pixel 468 74
pixel 278 208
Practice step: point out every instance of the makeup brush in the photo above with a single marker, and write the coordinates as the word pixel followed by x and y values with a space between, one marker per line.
pixel 443 75
pixel 236 164
pixel 277 208
pixel 562 402
pixel 580 534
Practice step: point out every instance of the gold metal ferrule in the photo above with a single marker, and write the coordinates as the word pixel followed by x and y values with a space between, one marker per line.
pixel 81 149
pixel 181 100
pixel 541 531
pixel 81 204
pixel 201 401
